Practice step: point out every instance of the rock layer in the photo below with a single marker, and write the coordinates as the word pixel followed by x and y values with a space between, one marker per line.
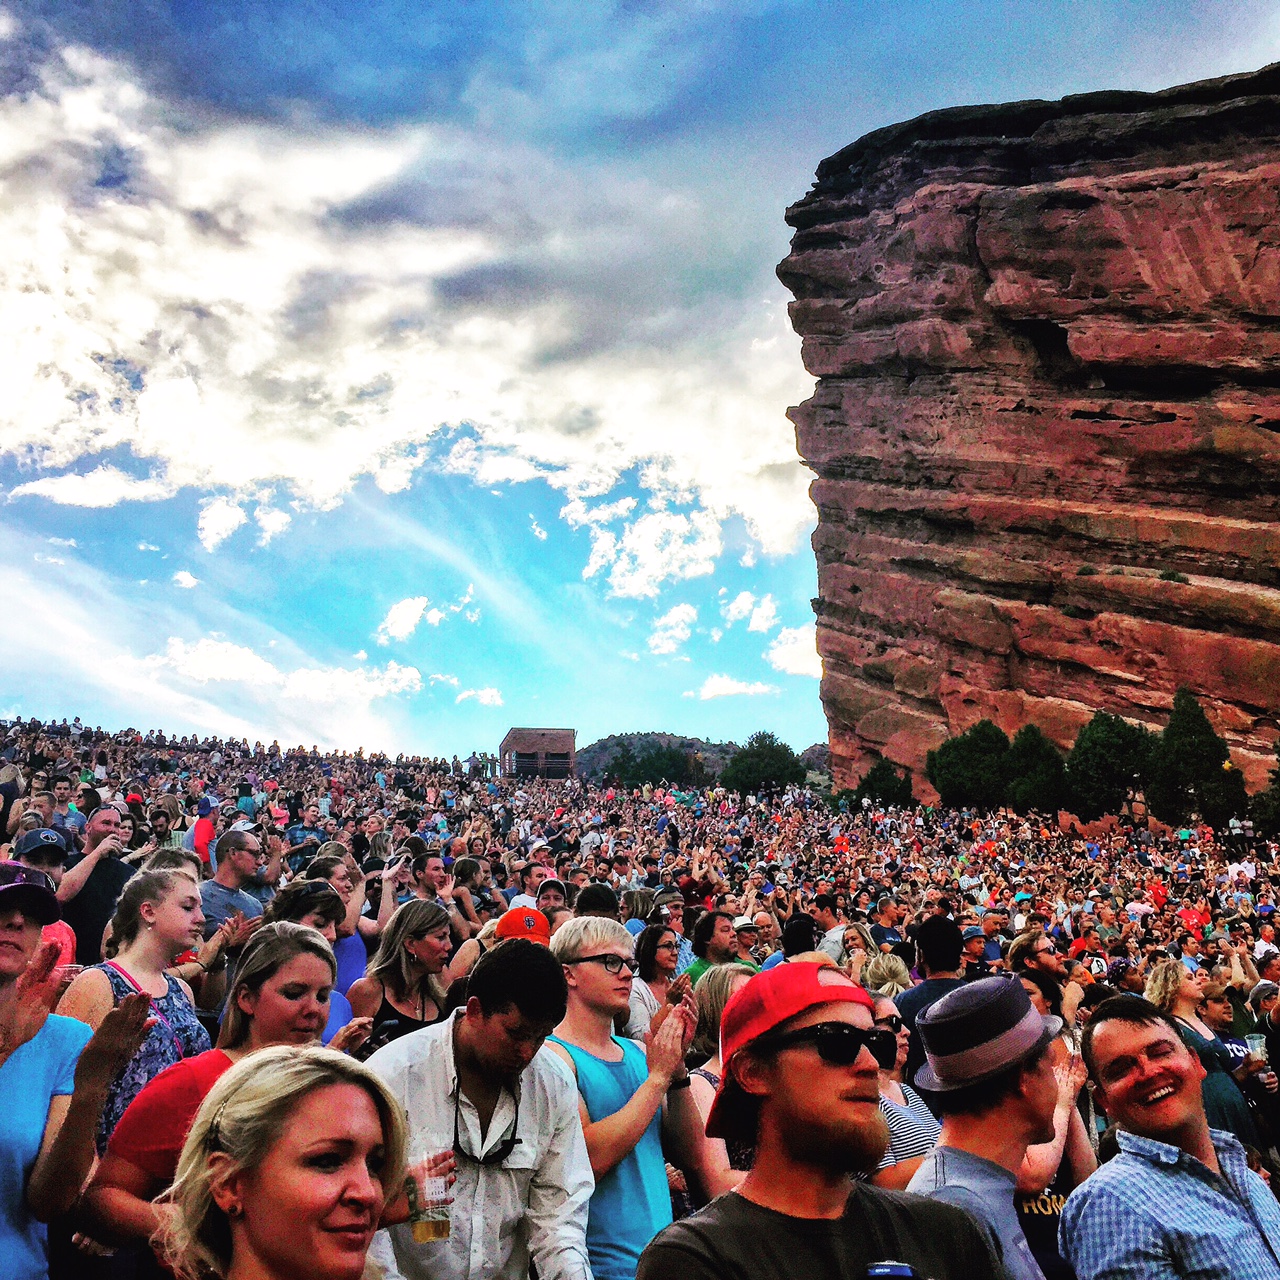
pixel 1046 428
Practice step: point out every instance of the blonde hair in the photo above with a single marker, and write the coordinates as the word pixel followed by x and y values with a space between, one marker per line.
pixel 267 952
pixel 244 1116
pixel 886 975
pixel 1163 982
pixel 586 934
pixel 712 992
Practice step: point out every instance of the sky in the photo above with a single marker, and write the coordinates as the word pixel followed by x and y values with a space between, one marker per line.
pixel 390 374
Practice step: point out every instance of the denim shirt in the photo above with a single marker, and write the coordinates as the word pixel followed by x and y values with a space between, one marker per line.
pixel 1157 1213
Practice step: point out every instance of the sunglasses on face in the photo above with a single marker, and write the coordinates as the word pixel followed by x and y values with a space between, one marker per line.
pixel 612 964
pixel 891 1023
pixel 839 1043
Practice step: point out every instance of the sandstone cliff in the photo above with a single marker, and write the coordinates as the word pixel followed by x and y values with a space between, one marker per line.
pixel 1046 429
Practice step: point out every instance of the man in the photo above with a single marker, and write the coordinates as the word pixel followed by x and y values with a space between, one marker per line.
pixel 746 936
pixel 162 832
pixel 482 1085
pixel 239 854
pixel 714 942
pixel 938 941
pixel 1180 1199
pixel 632 1099
pixel 885 930
pixel 43 849
pixel 990 1071
pixel 551 895
pixel 92 883
pixel 824 915
pixel 532 874
pixel 800 1081
pixel 304 838
pixel 993 923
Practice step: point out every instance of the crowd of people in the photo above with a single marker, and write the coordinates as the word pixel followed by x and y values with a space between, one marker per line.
pixel 285 1013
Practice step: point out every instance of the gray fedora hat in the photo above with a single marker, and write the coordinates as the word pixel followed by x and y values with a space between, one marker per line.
pixel 977 1031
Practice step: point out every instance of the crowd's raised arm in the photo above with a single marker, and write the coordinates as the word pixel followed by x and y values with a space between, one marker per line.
pixel 613 1032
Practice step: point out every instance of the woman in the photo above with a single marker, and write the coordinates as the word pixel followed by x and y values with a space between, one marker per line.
pixel 857 938
pixel 54 1076
pixel 282 990
pixel 157 918
pixel 726 1164
pixel 656 984
pixel 913 1130
pixel 1172 988
pixel 886 974
pixel 636 905
pixel 468 892
pixel 316 904
pixel 288 1169
pixel 402 991
pixel 350 949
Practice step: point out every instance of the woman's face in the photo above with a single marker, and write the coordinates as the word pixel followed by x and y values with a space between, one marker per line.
pixel 19 938
pixel 1038 1002
pixel 1189 988
pixel 667 954
pixel 325 928
pixel 126 828
pixel 340 878
pixel 431 950
pixel 311 1207
pixel 889 1019
pixel 291 1006
pixel 177 918
pixel 854 941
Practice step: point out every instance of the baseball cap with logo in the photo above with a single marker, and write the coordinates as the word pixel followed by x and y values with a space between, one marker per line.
pixel 524 922
pixel 46 843
pixel 767 1001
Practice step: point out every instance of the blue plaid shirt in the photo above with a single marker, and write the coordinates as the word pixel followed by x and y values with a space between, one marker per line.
pixel 1155 1213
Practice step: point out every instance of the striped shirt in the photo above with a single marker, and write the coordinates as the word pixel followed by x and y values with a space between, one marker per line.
pixel 913 1130
pixel 1157 1213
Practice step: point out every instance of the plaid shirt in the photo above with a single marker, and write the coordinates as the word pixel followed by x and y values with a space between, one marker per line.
pixel 1155 1213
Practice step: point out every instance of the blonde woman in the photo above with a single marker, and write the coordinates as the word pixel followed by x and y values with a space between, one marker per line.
pixel 288 1170
pixel 886 975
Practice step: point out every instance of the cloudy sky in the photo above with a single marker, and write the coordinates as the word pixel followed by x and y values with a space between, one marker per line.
pixel 392 373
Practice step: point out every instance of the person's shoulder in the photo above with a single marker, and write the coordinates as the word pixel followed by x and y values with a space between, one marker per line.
pixel 63 1036
pixel 395 1060
pixel 926 1211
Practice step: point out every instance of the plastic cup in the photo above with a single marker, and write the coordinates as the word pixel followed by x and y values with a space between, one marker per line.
pixel 1257 1046
pixel 430 1201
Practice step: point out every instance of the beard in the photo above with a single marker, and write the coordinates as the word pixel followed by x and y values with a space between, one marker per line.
pixel 840 1148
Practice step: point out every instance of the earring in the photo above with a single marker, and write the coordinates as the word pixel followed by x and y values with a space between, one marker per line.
pixel 234 1210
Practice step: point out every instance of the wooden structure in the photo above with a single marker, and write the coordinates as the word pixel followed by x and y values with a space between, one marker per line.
pixel 539 753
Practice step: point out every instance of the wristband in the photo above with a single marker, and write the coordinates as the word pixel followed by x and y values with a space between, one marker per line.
pixel 683 1083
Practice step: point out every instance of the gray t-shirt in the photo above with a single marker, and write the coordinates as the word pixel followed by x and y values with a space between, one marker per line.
pixel 985 1190
pixel 218 903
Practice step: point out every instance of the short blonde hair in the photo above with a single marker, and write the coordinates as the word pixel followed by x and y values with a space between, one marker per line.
pixel 243 1116
pixel 886 975
pixel 586 934
pixel 1163 983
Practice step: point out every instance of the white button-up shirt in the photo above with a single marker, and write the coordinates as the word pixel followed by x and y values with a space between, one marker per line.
pixel 532 1204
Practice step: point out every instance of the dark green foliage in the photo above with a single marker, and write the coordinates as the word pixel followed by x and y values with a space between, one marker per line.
pixel 623 765
pixel 970 771
pixel 1086 571
pixel 763 763
pixel 1036 773
pixel 884 785
pixel 658 764
pixel 1172 575
pixel 1107 763
pixel 1190 770
pixel 1265 808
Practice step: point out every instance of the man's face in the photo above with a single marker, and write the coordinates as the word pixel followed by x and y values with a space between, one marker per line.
pixel 311 814
pixel 533 876
pixel 550 898
pixel 1147 1079
pixel 102 825
pixel 62 792
pixel 248 859
pixel 160 823
pixel 505 1041
pixel 1044 958
pixel 675 916
pixel 746 938
pixel 724 942
pixel 827 1114
pixel 596 987
pixel 433 873
pixel 1217 1012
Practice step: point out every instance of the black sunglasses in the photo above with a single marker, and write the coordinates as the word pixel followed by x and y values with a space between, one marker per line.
pixel 890 1023
pixel 501 1151
pixel 612 963
pixel 839 1043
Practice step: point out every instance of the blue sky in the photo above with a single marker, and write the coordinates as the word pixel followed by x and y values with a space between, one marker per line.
pixel 391 374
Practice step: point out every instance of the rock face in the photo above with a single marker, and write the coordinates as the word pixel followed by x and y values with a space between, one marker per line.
pixel 1046 429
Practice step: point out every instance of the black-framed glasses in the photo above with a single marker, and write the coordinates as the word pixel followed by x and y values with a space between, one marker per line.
pixel 667 946
pixel 501 1151
pixel 839 1043
pixel 891 1023
pixel 612 963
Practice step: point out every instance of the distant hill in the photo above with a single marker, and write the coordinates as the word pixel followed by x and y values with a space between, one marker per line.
pixel 817 758
pixel 594 759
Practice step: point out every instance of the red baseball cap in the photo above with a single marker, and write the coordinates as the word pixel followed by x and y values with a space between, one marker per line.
pixel 524 922
pixel 767 1001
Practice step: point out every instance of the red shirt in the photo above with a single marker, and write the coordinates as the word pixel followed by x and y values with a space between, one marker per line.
pixel 156 1123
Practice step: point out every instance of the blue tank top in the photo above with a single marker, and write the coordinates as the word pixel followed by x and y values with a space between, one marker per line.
pixel 631 1202
pixel 352 958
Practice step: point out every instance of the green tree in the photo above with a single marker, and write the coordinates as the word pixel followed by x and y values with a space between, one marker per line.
pixel 970 771
pixel 1191 770
pixel 622 765
pixel 1107 764
pixel 763 763
pixel 1265 808
pixel 662 764
pixel 1036 773
pixel 884 785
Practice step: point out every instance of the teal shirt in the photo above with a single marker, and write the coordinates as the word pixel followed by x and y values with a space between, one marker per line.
pixel 631 1203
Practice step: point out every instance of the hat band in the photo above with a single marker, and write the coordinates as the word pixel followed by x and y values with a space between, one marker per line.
pixel 992 1055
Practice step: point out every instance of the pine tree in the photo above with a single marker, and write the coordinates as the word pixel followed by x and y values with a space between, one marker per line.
pixel 1036 771
pixel 1191 769
pixel 1107 764
pixel 970 771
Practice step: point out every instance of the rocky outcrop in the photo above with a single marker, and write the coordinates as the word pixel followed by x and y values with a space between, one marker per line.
pixel 1046 428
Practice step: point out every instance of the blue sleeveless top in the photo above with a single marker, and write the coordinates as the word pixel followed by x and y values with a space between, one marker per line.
pixel 176 1035
pixel 632 1202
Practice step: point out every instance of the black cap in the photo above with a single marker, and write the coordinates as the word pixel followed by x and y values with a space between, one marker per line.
pixel 30 890
pixel 44 840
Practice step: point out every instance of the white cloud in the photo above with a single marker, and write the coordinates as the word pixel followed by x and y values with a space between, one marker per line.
pixel 360 656
pixel 472 615
pixel 104 486
pixel 443 679
pixel 219 519
pixel 485 697
pixel 185 580
pixel 433 617
pixel 739 607
pixel 62 542
pixel 672 629
pixel 538 531
pixel 402 619
pixel 147 546
pixel 271 522
pixel 44 559
pixel 727 687
pixel 467 597
pixel 660 546
pixel 764 617
pixel 794 651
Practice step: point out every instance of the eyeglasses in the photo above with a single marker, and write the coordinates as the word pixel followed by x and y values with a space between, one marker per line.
pixel 891 1023
pixel 839 1043
pixel 667 946
pixel 501 1151
pixel 612 963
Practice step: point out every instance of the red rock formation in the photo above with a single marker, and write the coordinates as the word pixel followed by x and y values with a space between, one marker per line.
pixel 1047 342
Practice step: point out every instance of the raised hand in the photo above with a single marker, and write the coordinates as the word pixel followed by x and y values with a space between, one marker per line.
pixel 352 1036
pixel 118 1037
pixel 35 994
pixel 666 1046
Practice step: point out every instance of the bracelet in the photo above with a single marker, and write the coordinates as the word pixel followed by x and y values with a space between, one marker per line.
pixel 682 1083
